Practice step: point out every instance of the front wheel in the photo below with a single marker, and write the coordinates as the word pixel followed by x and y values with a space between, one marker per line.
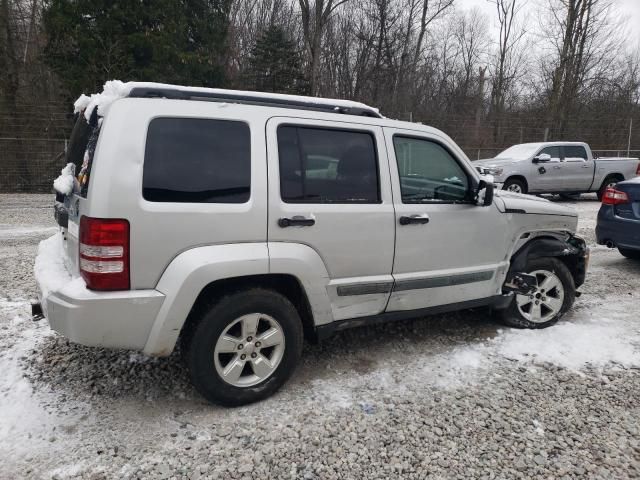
pixel 244 347
pixel 630 253
pixel 553 296
pixel 515 185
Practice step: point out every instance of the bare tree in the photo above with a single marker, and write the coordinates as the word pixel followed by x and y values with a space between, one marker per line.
pixel 431 10
pixel 507 58
pixel 315 17
pixel 584 43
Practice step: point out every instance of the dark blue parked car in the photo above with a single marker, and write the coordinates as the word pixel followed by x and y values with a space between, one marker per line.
pixel 619 218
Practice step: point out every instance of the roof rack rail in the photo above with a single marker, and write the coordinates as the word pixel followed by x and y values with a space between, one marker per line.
pixel 177 94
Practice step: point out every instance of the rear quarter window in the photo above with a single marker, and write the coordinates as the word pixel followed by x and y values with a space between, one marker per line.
pixel 197 161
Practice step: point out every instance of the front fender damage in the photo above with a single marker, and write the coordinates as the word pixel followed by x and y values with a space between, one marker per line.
pixel 572 250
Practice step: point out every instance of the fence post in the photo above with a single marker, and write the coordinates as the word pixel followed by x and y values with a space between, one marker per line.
pixel 629 140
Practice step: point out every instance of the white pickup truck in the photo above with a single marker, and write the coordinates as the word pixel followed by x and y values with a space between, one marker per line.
pixel 556 167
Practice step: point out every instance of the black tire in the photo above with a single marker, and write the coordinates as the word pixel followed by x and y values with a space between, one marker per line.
pixel 514 181
pixel 630 253
pixel 198 344
pixel 512 316
pixel 611 179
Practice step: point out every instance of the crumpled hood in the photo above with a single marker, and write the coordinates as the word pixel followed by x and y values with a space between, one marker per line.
pixel 495 162
pixel 529 204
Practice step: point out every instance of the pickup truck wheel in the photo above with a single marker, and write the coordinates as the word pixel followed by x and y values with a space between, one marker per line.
pixel 610 181
pixel 551 299
pixel 630 253
pixel 245 346
pixel 515 185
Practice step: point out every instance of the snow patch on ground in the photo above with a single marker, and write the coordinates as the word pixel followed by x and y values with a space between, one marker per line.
pixel 64 183
pixel 586 338
pixel 23 420
pixel 7 231
pixel 574 345
pixel 26 425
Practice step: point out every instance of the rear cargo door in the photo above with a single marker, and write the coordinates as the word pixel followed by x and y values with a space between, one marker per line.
pixel 80 152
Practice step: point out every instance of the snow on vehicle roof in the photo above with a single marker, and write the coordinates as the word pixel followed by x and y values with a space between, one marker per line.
pixel 115 89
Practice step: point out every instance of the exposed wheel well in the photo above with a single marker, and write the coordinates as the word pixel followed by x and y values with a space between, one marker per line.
pixel 572 261
pixel 287 285
pixel 519 178
pixel 617 176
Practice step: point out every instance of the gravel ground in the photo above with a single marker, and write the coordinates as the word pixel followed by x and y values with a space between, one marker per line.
pixel 451 396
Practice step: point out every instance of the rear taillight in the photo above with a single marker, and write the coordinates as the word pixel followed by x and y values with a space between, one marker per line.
pixel 638 170
pixel 614 197
pixel 104 253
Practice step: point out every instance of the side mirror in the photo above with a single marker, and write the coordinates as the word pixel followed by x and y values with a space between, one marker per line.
pixel 542 158
pixel 484 194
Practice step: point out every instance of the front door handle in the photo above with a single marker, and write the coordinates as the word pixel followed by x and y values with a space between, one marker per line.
pixel 414 219
pixel 557 167
pixel 585 166
pixel 296 221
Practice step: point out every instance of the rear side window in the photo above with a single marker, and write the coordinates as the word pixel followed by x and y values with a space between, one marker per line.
pixel 320 165
pixel 575 152
pixel 197 161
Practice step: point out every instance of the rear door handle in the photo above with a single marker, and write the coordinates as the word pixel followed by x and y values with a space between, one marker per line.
pixel 414 219
pixel 296 221
pixel 585 166
pixel 557 167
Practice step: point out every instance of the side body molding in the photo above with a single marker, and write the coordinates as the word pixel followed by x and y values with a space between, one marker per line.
pixel 188 274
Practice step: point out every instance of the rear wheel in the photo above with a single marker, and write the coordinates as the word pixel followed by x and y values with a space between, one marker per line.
pixel 630 253
pixel 245 346
pixel 551 299
pixel 610 181
pixel 515 185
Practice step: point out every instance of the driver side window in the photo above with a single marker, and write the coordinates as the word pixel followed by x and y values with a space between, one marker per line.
pixel 428 172
pixel 553 152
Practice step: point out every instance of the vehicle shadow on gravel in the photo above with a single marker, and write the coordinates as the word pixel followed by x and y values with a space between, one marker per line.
pixel 93 375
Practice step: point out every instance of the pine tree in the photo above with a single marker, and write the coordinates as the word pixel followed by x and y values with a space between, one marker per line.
pixel 275 64
pixel 173 41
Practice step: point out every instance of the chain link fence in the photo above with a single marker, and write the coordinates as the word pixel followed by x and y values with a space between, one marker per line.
pixel 33 138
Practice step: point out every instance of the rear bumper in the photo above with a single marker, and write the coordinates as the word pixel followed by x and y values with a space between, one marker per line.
pixel 112 320
pixel 102 319
pixel 622 232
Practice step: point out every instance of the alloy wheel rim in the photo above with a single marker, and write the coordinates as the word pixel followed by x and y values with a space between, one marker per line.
pixel 546 301
pixel 249 350
pixel 514 188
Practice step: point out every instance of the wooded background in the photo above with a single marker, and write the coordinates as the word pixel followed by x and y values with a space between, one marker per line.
pixel 556 70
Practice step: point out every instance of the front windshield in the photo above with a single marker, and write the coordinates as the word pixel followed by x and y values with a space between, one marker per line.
pixel 519 152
